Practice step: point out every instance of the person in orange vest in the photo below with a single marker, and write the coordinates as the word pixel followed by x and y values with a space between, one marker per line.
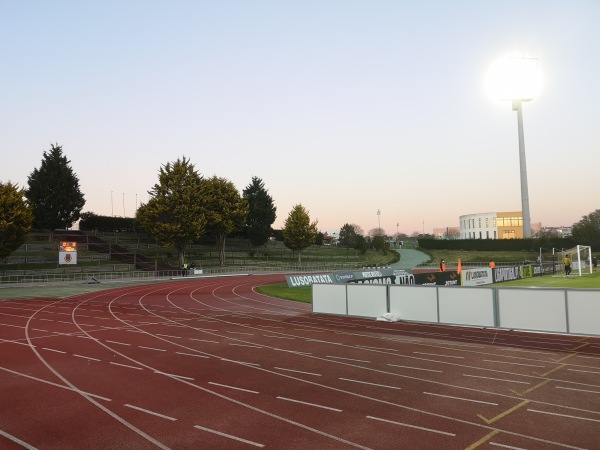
pixel 492 264
pixel 442 265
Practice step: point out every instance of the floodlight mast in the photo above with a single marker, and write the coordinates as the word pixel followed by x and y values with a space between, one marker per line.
pixel 517 106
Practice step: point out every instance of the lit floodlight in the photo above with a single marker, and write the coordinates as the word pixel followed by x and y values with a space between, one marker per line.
pixel 513 78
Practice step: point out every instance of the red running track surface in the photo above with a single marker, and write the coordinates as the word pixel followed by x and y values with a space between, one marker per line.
pixel 212 364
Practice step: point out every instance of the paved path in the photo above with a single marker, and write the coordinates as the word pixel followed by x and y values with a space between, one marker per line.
pixel 409 259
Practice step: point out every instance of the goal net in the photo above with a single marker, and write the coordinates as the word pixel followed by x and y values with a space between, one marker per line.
pixel 581 259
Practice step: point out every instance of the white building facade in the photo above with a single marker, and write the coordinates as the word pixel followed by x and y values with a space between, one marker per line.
pixel 492 225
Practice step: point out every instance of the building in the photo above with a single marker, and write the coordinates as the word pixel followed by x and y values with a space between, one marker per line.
pixel 494 225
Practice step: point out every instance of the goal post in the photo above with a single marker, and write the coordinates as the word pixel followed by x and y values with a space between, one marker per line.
pixel 581 259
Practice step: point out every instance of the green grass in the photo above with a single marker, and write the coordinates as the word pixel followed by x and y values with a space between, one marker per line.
pixel 590 281
pixel 281 290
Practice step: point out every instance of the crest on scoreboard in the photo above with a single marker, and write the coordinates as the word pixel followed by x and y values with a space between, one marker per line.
pixel 67 253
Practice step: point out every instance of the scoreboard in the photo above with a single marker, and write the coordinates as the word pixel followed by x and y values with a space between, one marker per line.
pixel 67 253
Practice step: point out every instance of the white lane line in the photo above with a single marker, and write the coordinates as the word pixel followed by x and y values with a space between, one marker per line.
pixel 64 321
pixel 509 447
pixel 302 329
pixel 86 357
pixel 309 404
pixel 233 387
pixel 411 426
pixel 119 343
pixel 437 354
pixel 564 415
pixel 169 336
pixel 204 340
pixel 152 348
pixel 460 398
pixel 53 350
pixel 125 365
pixel 415 368
pixel 16 440
pixel 173 375
pixel 377 348
pixel 229 436
pixel 298 371
pixel 38 329
pixel 240 362
pixel 584 371
pixel 192 354
pixel 577 390
pixel 545 353
pixel 47 320
pixel 147 411
pixel 514 364
pixel 496 379
pixel 245 345
pixel 371 384
pixel 239 332
pixel 271 326
pixel 278 337
pixel 347 359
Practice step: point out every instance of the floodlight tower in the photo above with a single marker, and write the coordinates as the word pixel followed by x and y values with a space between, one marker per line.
pixel 517 79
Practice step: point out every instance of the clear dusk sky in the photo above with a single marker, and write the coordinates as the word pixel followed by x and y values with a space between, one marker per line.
pixel 348 107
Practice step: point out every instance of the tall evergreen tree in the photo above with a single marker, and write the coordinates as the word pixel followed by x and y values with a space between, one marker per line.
pixel 54 192
pixel 347 236
pixel 16 218
pixel 298 231
pixel 587 230
pixel 262 212
pixel 225 210
pixel 175 213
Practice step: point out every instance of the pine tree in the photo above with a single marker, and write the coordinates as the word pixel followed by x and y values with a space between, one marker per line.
pixel 262 212
pixel 175 215
pixel 54 192
pixel 225 209
pixel 298 231
pixel 16 218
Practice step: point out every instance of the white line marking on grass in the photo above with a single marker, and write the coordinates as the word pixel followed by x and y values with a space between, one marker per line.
pixel 370 384
pixel 208 430
pixel 147 411
pixel 152 348
pixel 577 390
pixel 125 365
pixel 119 343
pixel 309 404
pixel 233 387
pixel 564 415
pixel 298 371
pixel 192 354
pixel 347 359
pixel 514 364
pixel 16 440
pixel 411 426
pixel 460 398
pixel 437 354
pixel 415 368
pixel 86 357
pixel 53 350
pixel 495 379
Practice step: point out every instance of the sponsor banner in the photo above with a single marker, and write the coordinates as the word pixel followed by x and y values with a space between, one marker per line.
pixel 67 257
pixel 477 277
pixel 404 276
pixel 308 280
pixel 437 278
pixel 527 271
pixel 343 277
pixel 507 274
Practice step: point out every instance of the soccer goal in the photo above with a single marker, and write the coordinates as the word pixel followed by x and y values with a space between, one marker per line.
pixel 581 259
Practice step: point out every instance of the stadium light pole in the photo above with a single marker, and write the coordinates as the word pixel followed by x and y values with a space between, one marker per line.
pixel 517 79
pixel 378 222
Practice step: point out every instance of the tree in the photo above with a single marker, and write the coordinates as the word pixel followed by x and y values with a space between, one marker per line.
pixel 54 192
pixel 16 218
pixel 175 213
pixel 261 213
pixel 298 231
pixel 347 236
pixel 226 211
pixel 587 230
pixel 376 232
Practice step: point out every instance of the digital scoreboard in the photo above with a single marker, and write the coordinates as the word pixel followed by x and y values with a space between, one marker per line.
pixel 67 253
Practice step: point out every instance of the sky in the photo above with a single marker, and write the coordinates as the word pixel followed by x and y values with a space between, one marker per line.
pixel 346 107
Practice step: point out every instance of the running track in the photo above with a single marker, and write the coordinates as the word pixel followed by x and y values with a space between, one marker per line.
pixel 212 364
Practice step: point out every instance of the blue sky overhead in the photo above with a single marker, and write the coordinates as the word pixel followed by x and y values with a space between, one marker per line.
pixel 347 107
